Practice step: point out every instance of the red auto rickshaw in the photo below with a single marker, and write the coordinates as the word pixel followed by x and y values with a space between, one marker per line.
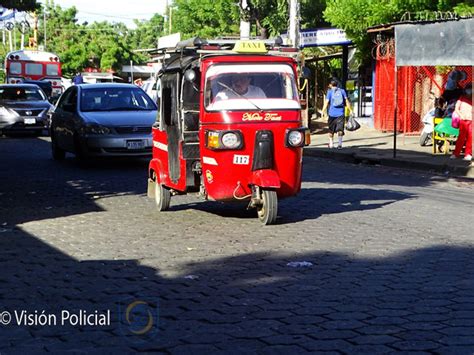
pixel 229 125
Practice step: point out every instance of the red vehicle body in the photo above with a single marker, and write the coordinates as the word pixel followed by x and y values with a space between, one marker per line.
pixel 24 65
pixel 210 139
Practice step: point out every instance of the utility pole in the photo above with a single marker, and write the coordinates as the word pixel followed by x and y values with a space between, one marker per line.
pixel 44 23
pixel 170 19
pixel 245 14
pixel 294 30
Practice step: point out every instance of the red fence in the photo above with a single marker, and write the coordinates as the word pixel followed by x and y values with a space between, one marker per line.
pixel 417 87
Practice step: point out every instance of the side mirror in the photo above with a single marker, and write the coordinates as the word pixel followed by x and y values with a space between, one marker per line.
pixel 190 75
pixel 306 73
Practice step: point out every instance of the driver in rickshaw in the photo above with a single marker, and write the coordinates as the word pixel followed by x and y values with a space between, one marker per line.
pixel 240 87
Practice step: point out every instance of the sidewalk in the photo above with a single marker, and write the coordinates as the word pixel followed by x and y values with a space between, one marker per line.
pixel 369 146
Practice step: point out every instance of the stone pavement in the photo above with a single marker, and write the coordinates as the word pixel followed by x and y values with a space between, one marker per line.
pixel 370 146
pixel 391 253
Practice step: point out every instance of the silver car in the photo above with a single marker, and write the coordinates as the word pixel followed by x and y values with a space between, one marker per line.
pixel 103 120
pixel 23 107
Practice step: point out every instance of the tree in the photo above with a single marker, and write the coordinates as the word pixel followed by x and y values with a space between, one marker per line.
pixel 205 18
pixel 355 16
pixel 147 32
pixel 20 5
pixel 100 45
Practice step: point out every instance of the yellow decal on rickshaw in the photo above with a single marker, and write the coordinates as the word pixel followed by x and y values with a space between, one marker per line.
pixel 209 176
pixel 255 116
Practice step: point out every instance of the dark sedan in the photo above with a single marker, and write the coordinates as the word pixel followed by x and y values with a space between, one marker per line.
pixel 103 120
pixel 23 107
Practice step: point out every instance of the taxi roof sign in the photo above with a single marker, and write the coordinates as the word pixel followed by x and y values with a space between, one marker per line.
pixel 250 47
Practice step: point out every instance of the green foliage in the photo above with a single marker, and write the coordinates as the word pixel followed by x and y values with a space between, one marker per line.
pixel 20 5
pixel 464 9
pixel 312 14
pixel 108 46
pixel 205 18
pixel 355 16
pixel 100 45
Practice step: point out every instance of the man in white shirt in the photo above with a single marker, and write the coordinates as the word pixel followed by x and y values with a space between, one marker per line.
pixel 241 88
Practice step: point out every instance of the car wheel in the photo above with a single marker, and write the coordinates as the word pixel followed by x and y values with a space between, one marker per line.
pixel 57 152
pixel 79 150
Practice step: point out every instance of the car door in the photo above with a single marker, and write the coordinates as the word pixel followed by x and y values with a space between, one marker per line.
pixel 71 116
pixel 63 118
pixel 57 120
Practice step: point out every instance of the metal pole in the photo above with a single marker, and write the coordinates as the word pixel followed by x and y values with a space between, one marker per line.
pixel 14 37
pixel 345 65
pixel 395 113
pixel 131 70
pixel 10 40
pixel 45 32
pixel 22 37
pixel 316 90
pixel 294 30
pixel 244 19
pixel 170 23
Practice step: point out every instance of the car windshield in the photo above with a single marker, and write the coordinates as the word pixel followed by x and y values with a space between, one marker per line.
pixel 21 93
pixel 250 87
pixel 115 99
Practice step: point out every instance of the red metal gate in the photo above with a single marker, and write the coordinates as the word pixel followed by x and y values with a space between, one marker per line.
pixel 417 87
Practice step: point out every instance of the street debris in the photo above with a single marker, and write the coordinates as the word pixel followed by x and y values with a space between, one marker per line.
pixel 299 264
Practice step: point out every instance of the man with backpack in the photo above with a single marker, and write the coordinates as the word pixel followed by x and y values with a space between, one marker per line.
pixel 336 101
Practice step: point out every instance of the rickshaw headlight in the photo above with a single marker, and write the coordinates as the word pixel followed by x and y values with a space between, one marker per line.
pixel 230 140
pixel 224 140
pixel 295 138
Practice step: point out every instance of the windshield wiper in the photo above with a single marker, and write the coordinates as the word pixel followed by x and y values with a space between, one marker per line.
pixel 240 95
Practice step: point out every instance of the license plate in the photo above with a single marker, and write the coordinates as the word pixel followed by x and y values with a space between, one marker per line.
pixel 135 144
pixel 30 120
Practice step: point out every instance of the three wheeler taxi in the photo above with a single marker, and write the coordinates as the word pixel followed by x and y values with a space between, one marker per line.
pixel 229 125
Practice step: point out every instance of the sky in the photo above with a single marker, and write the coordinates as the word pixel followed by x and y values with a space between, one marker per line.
pixel 113 10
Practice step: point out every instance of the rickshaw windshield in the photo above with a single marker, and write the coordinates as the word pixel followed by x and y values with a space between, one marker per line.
pixel 250 86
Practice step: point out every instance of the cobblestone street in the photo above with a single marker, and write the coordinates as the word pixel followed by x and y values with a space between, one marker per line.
pixel 391 253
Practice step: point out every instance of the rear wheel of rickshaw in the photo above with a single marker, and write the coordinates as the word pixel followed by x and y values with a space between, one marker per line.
pixel 162 197
pixel 267 211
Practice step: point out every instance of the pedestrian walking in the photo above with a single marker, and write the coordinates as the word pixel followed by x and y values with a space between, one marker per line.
pixel 138 82
pixel 78 79
pixel 334 107
pixel 463 110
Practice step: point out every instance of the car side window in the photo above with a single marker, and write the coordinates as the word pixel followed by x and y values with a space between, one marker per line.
pixel 69 104
pixel 64 98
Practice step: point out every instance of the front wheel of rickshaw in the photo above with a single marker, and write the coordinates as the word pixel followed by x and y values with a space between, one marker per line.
pixel 162 197
pixel 267 211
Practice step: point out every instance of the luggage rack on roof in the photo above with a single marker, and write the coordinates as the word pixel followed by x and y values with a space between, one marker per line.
pixel 233 46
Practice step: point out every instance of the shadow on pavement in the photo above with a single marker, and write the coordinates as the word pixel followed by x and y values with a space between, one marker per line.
pixel 309 204
pixel 420 300
pixel 41 188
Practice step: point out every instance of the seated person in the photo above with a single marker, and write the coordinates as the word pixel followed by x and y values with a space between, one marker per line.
pixel 240 86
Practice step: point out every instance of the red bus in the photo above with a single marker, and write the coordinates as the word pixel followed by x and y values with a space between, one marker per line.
pixel 34 65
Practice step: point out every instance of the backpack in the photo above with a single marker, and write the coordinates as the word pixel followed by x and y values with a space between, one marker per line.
pixel 337 99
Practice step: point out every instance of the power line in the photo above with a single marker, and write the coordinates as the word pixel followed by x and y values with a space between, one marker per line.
pixel 131 17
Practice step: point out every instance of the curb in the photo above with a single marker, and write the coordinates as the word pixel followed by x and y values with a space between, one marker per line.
pixel 355 158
